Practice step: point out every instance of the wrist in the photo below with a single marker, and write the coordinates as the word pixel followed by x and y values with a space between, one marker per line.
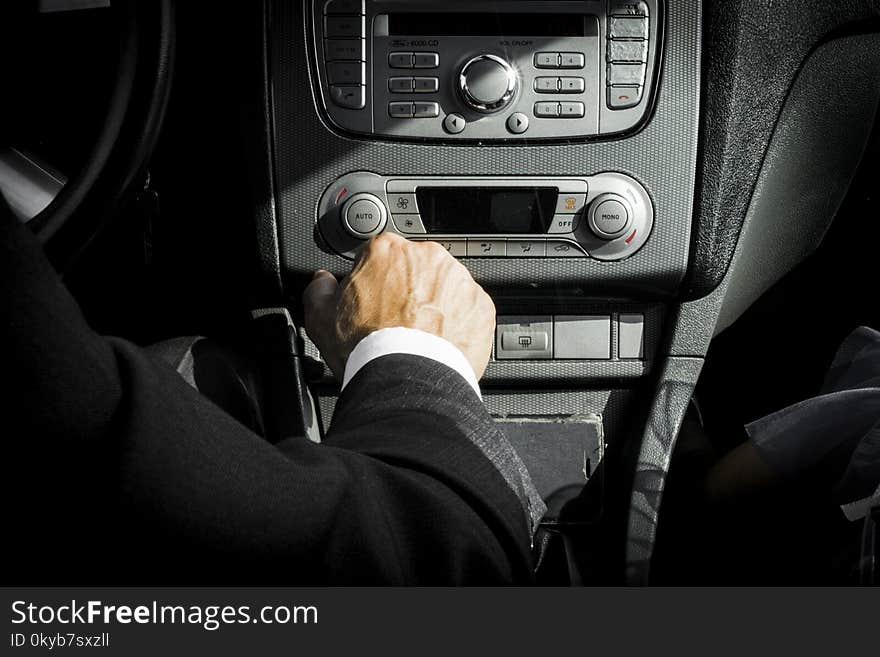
pixel 402 340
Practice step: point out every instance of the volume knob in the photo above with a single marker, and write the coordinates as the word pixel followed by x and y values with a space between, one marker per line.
pixel 487 83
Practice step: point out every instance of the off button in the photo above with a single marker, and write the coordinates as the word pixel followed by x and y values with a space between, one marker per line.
pixel 364 216
pixel 610 217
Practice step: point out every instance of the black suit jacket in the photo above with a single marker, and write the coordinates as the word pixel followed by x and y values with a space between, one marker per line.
pixel 119 472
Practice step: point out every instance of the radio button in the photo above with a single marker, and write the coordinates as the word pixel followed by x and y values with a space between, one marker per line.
pixel 624 97
pixel 570 203
pixel 547 110
pixel 350 97
pixel 571 60
pixel 524 338
pixel 426 60
pixel 344 49
pixel 517 123
pixel 344 7
pixel 340 27
pixel 456 248
pixel 346 73
pixel 408 224
pixel 400 85
pixel 546 85
pixel 628 27
pixel 400 60
pixel 547 60
pixel 454 124
pixel 526 248
pixel 403 204
pixel 628 8
pixel 571 85
pixel 400 110
pixel 627 74
pixel 571 110
pixel 477 248
pixel 426 110
pixel 564 250
pixel 627 51
pixel 426 85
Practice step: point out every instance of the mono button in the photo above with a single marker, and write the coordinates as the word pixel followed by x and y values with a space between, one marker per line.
pixel 610 217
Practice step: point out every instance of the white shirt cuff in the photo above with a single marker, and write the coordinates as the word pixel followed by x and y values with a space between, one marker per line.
pixel 400 340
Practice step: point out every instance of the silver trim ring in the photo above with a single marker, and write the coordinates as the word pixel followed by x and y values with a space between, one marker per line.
pixel 501 103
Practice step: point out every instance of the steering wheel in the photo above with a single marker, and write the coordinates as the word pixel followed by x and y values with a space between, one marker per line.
pixel 66 213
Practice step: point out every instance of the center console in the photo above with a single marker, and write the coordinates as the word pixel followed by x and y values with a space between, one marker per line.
pixel 550 146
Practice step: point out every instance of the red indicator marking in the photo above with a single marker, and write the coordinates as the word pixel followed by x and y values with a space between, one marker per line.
pixel 631 237
pixel 341 194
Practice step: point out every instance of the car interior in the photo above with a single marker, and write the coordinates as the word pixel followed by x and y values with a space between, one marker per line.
pixel 673 204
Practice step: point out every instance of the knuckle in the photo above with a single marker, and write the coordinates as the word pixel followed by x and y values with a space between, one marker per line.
pixel 434 247
pixel 386 240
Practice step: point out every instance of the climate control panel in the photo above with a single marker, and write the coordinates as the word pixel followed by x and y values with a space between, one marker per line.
pixel 608 216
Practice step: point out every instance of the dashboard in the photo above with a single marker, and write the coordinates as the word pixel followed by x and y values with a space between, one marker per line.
pixel 585 166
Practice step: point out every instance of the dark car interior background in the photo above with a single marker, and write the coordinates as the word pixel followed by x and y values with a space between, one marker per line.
pixel 668 200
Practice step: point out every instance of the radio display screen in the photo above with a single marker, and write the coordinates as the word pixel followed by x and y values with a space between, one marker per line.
pixel 486 210
pixel 476 24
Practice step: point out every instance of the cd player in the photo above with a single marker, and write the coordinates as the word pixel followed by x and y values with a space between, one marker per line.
pixel 487 70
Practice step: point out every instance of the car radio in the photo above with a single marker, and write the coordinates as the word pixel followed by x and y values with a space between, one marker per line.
pixel 608 216
pixel 486 70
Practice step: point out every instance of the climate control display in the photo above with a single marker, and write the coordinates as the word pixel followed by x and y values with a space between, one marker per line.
pixel 607 216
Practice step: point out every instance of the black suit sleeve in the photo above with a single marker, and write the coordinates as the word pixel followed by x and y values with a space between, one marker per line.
pixel 118 471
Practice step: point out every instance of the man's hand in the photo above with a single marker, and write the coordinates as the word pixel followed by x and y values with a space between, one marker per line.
pixel 400 283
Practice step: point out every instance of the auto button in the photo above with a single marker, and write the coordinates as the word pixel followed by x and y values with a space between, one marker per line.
pixel 364 215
